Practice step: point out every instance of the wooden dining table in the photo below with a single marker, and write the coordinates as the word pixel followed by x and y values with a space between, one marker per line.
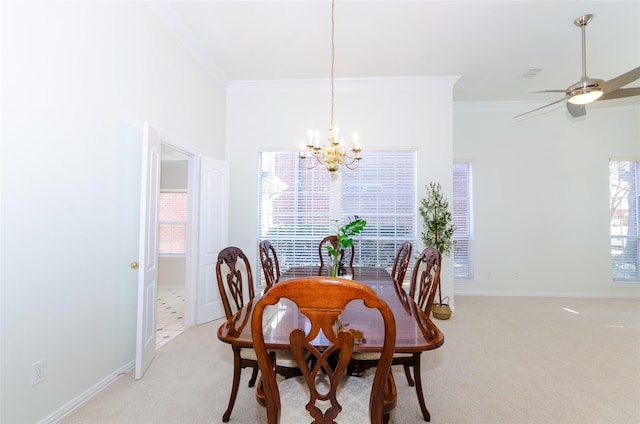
pixel 415 332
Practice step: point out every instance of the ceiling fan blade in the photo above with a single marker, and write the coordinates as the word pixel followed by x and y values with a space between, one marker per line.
pixel 620 93
pixel 576 110
pixel 587 90
pixel 541 107
pixel 549 91
pixel 622 80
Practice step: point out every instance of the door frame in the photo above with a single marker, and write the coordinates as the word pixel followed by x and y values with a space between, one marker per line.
pixel 193 223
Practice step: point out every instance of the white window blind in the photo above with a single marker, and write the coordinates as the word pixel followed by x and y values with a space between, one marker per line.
pixel 462 219
pixel 294 208
pixel 383 192
pixel 624 202
pixel 295 204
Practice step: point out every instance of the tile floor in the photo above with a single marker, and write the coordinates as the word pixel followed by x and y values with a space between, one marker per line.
pixel 170 314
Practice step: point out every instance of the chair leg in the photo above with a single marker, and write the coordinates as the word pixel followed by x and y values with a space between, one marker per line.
pixel 234 387
pixel 418 381
pixel 254 375
pixel 390 398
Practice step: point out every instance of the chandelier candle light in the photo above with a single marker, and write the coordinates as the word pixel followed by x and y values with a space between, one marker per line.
pixel 335 154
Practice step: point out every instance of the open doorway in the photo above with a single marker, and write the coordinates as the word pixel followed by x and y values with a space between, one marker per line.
pixel 172 240
pixel 206 233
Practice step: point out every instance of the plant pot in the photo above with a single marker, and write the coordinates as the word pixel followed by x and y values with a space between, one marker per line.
pixel 441 310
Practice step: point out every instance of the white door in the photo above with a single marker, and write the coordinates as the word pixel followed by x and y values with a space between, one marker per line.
pixel 213 235
pixel 148 255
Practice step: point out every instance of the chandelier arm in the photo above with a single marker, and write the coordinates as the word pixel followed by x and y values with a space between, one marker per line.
pixel 306 165
pixel 351 165
pixel 350 160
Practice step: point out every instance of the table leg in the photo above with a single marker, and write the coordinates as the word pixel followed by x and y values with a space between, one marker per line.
pixel 418 382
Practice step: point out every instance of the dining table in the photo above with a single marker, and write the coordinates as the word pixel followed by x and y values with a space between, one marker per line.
pixel 415 332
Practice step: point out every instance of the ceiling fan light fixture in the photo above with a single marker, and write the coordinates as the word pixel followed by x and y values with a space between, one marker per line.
pixel 585 97
pixel 585 91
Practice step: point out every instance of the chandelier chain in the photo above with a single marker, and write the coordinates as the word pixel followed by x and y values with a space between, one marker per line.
pixel 333 55
pixel 334 154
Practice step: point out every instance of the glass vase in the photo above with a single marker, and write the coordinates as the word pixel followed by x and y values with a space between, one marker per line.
pixel 335 264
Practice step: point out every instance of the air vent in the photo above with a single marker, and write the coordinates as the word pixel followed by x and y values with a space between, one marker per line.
pixel 531 72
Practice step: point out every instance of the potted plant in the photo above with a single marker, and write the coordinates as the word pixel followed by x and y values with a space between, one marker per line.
pixel 437 232
pixel 344 238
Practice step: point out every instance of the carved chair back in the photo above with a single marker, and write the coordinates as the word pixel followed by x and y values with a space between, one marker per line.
pixel 327 362
pixel 401 263
pixel 323 253
pixel 235 280
pixel 425 280
pixel 269 262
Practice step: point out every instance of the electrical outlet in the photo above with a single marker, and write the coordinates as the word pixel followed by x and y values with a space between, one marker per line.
pixel 38 372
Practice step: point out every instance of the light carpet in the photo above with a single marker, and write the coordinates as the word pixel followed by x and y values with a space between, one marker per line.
pixel 508 360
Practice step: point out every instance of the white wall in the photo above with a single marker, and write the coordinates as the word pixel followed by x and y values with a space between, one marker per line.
pixel 387 113
pixel 541 210
pixel 174 174
pixel 171 271
pixel 78 81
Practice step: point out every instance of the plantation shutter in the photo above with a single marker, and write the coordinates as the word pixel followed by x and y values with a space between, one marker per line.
pixel 383 192
pixel 462 210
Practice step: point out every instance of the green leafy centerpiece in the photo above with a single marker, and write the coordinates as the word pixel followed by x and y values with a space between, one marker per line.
pixel 344 236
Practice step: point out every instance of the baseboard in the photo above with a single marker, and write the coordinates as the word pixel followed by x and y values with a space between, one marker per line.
pixel 547 294
pixel 97 388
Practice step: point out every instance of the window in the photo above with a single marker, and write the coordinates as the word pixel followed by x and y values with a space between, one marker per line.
pixel 383 192
pixel 624 202
pixel 295 205
pixel 173 223
pixel 462 219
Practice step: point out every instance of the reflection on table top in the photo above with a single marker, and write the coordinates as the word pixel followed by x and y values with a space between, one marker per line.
pixel 366 274
pixel 415 332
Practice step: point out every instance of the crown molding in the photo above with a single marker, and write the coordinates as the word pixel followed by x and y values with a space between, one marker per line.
pixel 344 84
pixel 168 16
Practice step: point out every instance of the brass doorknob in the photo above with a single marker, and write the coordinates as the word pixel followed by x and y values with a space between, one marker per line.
pixel 134 265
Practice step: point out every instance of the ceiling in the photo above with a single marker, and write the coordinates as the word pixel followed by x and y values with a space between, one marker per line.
pixel 488 44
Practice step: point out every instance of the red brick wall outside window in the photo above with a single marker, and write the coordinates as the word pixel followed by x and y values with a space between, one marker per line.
pixel 173 223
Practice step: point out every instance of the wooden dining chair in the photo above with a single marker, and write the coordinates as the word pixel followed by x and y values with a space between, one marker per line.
pixel 324 391
pixel 425 280
pixel 364 360
pixel 269 262
pixel 401 263
pixel 323 253
pixel 425 285
pixel 235 283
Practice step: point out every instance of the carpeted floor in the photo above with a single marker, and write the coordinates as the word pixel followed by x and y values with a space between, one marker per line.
pixel 505 360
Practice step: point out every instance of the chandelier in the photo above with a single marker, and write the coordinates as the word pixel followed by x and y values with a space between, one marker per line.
pixel 334 154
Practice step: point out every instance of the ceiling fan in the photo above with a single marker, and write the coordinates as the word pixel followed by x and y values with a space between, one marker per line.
pixel 588 90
